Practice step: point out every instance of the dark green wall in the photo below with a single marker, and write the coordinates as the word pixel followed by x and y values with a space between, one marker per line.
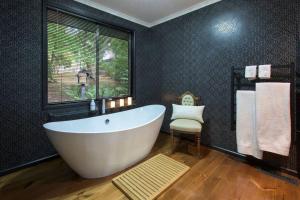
pixel 197 52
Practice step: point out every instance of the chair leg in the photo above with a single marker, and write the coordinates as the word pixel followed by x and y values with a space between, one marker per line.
pixel 197 140
pixel 173 141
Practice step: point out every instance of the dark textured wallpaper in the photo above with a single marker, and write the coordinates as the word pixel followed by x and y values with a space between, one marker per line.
pixel 198 49
pixel 22 138
pixel 193 52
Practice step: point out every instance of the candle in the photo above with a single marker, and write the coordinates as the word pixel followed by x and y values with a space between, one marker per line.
pixel 112 104
pixel 129 101
pixel 121 101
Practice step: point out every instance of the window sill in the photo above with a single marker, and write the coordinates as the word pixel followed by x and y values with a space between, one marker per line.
pixel 82 104
pixel 67 114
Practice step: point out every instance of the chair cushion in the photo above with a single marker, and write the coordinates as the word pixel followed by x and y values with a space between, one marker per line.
pixel 186 125
pixel 188 112
pixel 187 100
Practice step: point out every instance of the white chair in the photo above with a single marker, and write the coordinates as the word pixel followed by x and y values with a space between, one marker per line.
pixel 187 126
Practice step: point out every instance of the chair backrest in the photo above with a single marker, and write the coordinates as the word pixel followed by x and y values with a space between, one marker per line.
pixel 188 99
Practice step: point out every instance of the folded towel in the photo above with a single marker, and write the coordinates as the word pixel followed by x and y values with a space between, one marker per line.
pixel 273 118
pixel 250 72
pixel 245 124
pixel 264 71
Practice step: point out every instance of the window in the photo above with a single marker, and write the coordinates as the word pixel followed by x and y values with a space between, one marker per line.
pixel 86 60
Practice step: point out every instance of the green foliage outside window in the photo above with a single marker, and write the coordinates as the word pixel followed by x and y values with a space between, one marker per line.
pixel 70 48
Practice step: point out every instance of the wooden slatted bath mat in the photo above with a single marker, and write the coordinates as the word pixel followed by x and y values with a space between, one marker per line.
pixel 149 179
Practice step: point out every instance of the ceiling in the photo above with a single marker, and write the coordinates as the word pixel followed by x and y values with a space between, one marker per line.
pixel 148 12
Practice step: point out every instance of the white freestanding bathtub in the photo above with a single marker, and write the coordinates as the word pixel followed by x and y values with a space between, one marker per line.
pixel 100 146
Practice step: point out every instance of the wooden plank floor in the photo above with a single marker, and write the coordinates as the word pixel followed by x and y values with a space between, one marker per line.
pixel 215 176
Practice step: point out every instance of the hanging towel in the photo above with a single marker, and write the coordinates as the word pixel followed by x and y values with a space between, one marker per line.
pixel 245 124
pixel 250 72
pixel 273 118
pixel 264 71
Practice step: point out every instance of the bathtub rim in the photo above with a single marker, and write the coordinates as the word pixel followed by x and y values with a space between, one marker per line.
pixel 107 132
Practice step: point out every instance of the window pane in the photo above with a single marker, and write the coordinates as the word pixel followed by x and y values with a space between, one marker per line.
pixel 74 45
pixel 71 61
pixel 114 67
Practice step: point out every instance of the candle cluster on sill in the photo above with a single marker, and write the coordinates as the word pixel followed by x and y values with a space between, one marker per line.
pixel 120 103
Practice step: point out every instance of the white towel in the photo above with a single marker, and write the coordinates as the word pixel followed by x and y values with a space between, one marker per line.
pixel 273 118
pixel 250 72
pixel 245 124
pixel 264 71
